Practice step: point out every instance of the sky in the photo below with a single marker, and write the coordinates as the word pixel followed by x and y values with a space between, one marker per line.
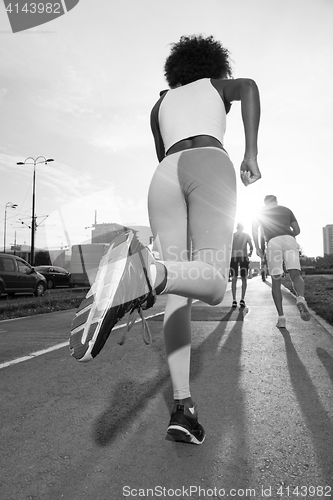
pixel 80 89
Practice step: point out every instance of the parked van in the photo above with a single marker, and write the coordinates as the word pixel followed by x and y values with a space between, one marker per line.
pixel 17 276
pixel 85 261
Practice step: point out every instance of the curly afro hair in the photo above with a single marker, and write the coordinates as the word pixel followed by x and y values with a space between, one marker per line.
pixel 195 57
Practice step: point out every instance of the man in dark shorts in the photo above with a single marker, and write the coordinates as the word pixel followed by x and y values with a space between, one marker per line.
pixel 240 260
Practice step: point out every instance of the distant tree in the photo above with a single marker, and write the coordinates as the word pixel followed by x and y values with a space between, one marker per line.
pixel 305 260
pixel 324 262
pixel 42 258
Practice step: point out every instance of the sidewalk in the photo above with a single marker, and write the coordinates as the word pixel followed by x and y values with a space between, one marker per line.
pixel 76 431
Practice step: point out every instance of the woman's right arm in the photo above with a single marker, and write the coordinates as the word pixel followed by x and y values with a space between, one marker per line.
pixel 246 91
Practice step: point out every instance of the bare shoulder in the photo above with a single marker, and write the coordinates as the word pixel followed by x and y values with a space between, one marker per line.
pixel 219 85
pixel 230 89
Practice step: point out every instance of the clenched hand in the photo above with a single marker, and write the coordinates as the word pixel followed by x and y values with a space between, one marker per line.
pixel 249 171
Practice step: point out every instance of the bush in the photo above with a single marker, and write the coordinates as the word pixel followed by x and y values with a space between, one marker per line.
pixel 317 270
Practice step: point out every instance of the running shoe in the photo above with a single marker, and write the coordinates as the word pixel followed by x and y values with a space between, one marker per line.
pixel 303 308
pixel 234 303
pixel 242 303
pixel 184 426
pixel 122 285
pixel 281 322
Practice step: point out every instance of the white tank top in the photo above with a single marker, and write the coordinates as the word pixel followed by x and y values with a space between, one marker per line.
pixel 193 109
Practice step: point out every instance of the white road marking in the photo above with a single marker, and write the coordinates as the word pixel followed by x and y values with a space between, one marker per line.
pixel 58 346
pixel 63 344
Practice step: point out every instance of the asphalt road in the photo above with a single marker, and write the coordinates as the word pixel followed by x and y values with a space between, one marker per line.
pixel 97 431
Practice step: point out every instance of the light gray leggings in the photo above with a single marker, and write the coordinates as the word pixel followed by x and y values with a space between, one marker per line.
pixel 192 203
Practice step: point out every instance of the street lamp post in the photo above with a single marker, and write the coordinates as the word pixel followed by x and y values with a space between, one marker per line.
pixel 33 216
pixel 11 205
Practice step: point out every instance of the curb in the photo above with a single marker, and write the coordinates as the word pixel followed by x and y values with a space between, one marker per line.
pixel 320 320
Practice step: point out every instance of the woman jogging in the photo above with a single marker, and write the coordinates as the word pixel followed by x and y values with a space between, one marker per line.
pixel 191 204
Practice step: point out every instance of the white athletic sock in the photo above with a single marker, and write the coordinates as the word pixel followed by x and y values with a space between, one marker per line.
pixel 158 287
pixel 153 274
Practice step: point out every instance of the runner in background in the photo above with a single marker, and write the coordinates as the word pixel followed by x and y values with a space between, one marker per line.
pixel 241 252
pixel 279 227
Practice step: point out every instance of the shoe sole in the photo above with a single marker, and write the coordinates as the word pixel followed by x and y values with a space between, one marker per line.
pixel 180 434
pixel 92 323
pixel 304 312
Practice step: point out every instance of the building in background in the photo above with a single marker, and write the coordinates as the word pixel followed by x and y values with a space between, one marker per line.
pixel 328 239
pixel 86 257
pixel 143 234
pixel 106 232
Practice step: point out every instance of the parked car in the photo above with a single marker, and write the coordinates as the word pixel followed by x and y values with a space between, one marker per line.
pixel 55 276
pixel 17 276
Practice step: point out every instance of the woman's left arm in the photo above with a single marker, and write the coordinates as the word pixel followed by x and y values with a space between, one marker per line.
pixel 246 91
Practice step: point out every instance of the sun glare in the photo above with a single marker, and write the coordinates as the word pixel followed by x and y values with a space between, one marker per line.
pixel 247 209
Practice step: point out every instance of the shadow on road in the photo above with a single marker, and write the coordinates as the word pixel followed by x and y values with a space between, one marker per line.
pixel 220 399
pixel 327 361
pixel 316 416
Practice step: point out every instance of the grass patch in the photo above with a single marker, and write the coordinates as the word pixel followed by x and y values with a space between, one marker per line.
pixel 318 294
pixel 57 300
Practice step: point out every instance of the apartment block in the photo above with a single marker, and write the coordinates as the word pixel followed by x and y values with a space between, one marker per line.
pixel 328 239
